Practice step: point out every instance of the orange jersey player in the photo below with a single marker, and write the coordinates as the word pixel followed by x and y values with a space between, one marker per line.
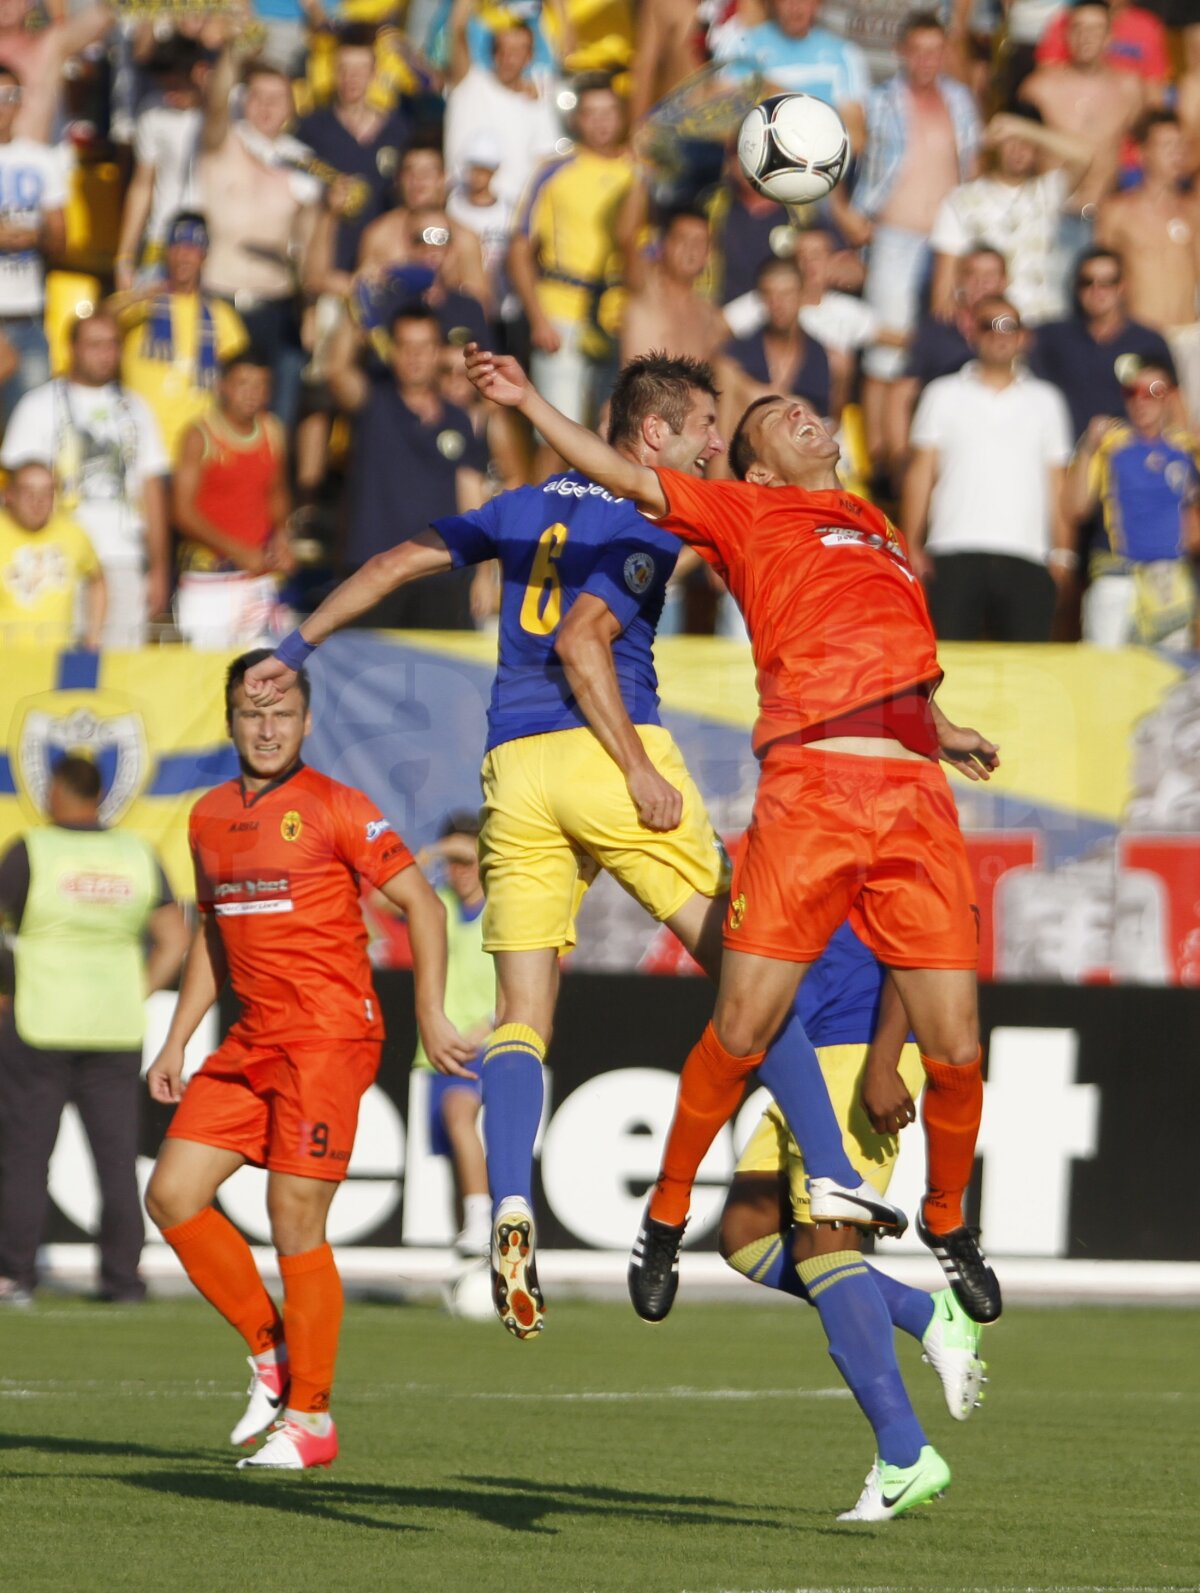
pixel 278 855
pixel 852 808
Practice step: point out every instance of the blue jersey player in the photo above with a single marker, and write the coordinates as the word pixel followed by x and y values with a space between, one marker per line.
pixel 583 582
pixel 767 1232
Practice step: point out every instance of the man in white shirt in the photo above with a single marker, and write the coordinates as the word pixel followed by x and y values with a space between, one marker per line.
pixel 983 497
pixel 109 467
pixel 504 102
pixel 33 193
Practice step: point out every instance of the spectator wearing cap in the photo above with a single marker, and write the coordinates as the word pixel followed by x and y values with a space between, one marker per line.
pixel 983 495
pixel 1014 207
pixel 361 142
pixel 565 253
pixel 174 336
pixel 415 458
pixel 512 107
pixel 166 138
pixel 230 501
pixel 33 226
pixel 1141 473
pixel 1084 354
pixel 475 205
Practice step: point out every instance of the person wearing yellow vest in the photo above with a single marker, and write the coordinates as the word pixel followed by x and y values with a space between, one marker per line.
pixel 454 1102
pixel 84 900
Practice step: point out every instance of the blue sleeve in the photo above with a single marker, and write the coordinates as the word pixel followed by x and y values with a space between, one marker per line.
pixel 471 537
pixel 631 568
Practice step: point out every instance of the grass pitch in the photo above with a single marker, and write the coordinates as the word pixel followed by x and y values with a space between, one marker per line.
pixel 712 1453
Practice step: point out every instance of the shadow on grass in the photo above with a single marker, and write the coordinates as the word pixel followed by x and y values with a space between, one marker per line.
pixel 56 1444
pixel 514 1503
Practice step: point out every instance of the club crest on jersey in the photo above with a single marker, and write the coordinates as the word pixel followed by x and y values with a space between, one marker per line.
pixel 639 572
pixel 376 828
pixel 290 825
pixel 101 725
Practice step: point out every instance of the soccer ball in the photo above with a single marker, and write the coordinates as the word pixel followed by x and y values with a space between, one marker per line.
pixel 469 1294
pixel 793 148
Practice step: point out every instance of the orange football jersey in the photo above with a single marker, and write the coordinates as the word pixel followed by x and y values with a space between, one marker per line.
pixel 279 871
pixel 837 619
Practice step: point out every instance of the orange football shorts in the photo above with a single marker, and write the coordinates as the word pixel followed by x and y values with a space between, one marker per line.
pixel 833 831
pixel 292 1110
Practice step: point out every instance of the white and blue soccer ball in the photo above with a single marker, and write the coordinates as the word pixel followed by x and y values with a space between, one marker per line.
pixel 793 148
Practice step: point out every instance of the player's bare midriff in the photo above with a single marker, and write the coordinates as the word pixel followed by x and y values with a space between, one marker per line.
pixel 866 747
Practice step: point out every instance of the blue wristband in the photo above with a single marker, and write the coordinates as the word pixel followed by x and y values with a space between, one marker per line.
pixel 293 650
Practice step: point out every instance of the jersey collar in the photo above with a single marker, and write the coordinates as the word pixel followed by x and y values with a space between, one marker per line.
pixel 249 801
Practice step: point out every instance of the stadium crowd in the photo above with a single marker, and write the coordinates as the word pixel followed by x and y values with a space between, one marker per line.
pixel 241 251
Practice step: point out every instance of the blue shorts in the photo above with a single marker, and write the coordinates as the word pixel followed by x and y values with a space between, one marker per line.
pixel 440 1086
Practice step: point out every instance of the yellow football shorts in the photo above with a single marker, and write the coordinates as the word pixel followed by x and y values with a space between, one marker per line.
pixel 773 1150
pixel 555 808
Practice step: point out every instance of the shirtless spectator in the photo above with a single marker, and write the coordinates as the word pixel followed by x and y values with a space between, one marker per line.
pixel 1088 96
pixel 1015 209
pixel 387 242
pixel 668 51
pixel 1137 44
pixel 668 314
pixel 164 176
pixel 502 100
pixel 261 213
pixel 38 55
pixel 1156 230
pixel 923 138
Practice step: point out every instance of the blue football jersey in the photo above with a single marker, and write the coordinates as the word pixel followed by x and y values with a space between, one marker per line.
pixel 839 999
pixel 555 542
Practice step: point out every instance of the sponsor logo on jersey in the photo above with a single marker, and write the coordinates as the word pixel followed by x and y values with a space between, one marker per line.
pixel 102 890
pixel 290 825
pixel 578 489
pixel 885 541
pixel 639 572
pixel 243 824
pixel 376 828
pixel 236 898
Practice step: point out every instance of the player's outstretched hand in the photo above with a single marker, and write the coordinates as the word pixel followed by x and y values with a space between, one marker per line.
pixel 659 805
pixel 267 682
pixel 164 1079
pixel 969 752
pixel 497 376
pixel 886 1100
pixel 445 1047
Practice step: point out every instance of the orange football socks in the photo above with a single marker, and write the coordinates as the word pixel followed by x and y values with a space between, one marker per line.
pixel 312 1316
pixel 218 1261
pixel 950 1110
pixel 710 1090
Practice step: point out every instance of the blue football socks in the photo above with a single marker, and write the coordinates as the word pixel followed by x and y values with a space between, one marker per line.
pixel 792 1073
pixel 512 1104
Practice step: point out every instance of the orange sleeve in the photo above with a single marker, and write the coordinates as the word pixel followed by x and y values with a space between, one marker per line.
pixel 368 843
pixel 714 517
pixel 204 890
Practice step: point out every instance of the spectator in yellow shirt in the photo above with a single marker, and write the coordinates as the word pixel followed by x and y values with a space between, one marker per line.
pixel 175 337
pixel 45 557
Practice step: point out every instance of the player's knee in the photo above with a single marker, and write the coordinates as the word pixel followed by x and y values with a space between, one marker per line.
pixel 297 1224
pixel 741 1031
pixel 169 1202
pixel 958 1047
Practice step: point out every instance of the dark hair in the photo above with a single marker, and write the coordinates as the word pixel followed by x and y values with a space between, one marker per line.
pixel 176 57
pixel 741 449
pixel 244 356
pixel 513 26
pixel 775 263
pixel 460 821
pixel 78 322
pixel 593 83
pixel 1149 120
pixel 78 775
pixel 236 674
pixel 414 310
pixel 986 248
pixel 683 213
pixel 1027 112
pixel 263 69
pixel 1099 252
pixel 424 144
pixel 356 36
pixel 921 22
pixel 656 384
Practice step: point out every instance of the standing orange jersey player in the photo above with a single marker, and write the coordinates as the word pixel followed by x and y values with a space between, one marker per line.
pixel 278 855
pixel 852 809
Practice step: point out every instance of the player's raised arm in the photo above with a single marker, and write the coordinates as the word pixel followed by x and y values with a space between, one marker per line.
pixel 411 893
pixel 421 555
pixel 584 644
pixel 500 378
